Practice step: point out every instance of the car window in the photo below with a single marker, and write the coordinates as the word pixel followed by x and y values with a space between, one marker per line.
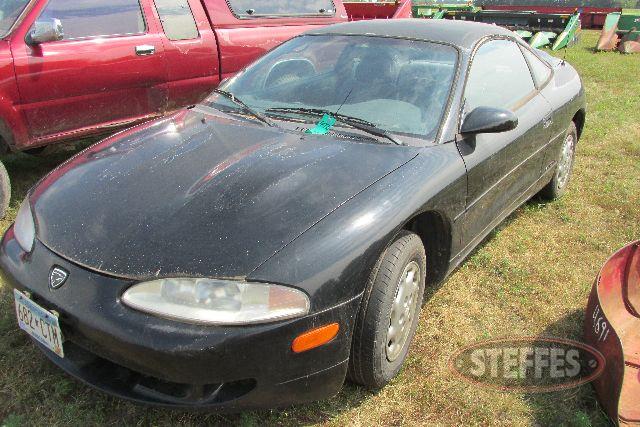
pixel 90 18
pixel 10 10
pixel 177 19
pixel 400 86
pixel 499 77
pixel 249 8
pixel 541 71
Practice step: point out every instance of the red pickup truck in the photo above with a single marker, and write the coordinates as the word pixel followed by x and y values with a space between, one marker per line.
pixel 71 68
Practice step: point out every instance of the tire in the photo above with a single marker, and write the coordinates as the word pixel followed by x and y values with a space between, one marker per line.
pixel 564 166
pixel 376 354
pixel 37 152
pixel 5 190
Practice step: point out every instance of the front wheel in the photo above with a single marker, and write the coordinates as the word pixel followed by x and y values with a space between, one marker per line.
pixel 5 190
pixel 389 312
pixel 564 166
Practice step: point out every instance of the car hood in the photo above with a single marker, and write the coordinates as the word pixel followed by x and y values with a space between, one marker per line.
pixel 199 195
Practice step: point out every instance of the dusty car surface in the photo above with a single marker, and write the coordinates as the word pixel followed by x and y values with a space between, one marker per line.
pixel 256 249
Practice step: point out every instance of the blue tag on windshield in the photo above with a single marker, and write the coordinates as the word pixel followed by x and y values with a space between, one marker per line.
pixel 323 126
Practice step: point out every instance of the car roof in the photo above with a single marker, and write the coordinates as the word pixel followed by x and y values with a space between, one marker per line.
pixel 460 33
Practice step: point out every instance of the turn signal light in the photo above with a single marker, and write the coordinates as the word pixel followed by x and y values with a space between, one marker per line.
pixel 315 338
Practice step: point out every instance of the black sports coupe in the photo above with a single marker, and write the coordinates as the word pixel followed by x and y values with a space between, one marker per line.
pixel 256 249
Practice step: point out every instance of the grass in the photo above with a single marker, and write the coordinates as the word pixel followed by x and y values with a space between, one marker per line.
pixel 532 276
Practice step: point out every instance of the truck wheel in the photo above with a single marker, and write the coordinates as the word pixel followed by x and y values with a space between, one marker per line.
pixel 389 312
pixel 35 151
pixel 564 165
pixel 5 190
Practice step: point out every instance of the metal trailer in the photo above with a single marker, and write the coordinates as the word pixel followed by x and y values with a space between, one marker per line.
pixel 542 29
pixel 590 17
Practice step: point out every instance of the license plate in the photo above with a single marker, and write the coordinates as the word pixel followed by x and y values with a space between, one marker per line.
pixel 38 322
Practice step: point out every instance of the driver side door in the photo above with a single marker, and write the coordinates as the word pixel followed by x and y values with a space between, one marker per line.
pixel 108 69
pixel 502 168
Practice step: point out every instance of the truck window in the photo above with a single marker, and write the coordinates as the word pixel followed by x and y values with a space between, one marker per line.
pixel 177 19
pixel 10 10
pixel 91 18
pixel 276 8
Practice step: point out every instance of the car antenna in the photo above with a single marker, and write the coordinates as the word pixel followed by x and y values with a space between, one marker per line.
pixel 343 102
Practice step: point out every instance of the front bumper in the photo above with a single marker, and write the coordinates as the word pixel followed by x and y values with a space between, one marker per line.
pixel 158 361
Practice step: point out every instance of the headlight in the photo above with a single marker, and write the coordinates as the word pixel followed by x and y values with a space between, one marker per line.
pixel 24 227
pixel 217 302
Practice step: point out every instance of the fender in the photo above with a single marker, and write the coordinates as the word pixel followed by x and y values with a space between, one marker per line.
pixel 344 246
pixel 13 129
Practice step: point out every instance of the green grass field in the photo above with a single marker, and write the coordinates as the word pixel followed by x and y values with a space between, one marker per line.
pixel 531 277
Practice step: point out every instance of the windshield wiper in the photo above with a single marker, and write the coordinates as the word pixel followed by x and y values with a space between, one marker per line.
pixel 244 106
pixel 318 112
pixel 354 122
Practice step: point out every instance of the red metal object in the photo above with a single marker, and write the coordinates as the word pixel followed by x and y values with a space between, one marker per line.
pixel 608 39
pixel 590 17
pixel 629 42
pixel 72 88
pixel 612 322
pixel 358 11
pixel 629 46
pixel 240 41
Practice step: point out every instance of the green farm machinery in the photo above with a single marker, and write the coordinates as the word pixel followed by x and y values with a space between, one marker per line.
pixel 621 31
pixel 539 28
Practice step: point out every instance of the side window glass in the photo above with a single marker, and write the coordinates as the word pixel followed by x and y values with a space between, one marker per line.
pixel 277 8
pixel 92 18
pixel 499 77
pixel 177 19
pixel 541 71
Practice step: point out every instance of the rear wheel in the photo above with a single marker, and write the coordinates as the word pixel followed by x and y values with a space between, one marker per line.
pixel 5 190
pixel 564 166
pixel 389 312
pixel 38 151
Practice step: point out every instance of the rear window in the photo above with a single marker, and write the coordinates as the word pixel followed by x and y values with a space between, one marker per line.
pixel 261 8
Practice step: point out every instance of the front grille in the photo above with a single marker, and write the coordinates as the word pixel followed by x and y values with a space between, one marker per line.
pixel 124 382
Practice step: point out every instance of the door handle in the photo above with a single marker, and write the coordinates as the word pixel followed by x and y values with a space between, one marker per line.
pixel 145 49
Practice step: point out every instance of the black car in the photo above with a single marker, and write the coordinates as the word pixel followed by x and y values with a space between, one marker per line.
pixel 256 249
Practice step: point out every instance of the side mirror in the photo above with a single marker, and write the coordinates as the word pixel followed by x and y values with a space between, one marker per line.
pixel 45 31
pixel 488 120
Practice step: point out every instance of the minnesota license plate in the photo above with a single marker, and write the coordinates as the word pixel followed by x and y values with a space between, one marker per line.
pixel 38 322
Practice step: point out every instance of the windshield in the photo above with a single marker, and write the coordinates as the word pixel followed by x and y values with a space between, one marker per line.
pixel 10 10
pixel 397 85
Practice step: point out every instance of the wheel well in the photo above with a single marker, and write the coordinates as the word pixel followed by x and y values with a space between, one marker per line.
pixel 578 119
pixel 435 232
pixel 6 137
